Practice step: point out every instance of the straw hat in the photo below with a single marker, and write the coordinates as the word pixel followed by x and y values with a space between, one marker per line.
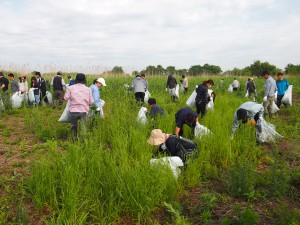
pixel 157 137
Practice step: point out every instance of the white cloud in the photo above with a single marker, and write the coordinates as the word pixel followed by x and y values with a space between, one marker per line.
pixel 134 34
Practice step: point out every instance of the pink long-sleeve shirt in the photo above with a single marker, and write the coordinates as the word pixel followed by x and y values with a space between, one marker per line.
pixel 80 97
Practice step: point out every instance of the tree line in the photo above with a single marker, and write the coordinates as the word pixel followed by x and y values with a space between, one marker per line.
pixel 255 69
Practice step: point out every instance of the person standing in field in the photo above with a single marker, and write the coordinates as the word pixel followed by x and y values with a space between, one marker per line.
pixel 4 90
pixel 202 97
pixel 235 84
pixel 43 87
pixel 36 90
pixel 95 88
pixel 23 85
pixel 270 89
pixel 250 87
pixel 81 98
pixel 71 81
pixel 171 87
pixel 14 84
pixel 185 83
pixel 139 85
pixel 185 116
pixel 282 85
pixel 58 84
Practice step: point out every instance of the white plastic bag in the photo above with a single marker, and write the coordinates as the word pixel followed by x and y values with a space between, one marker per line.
pixel 142 115
pixel 230 89
pixel 181 88
pixel 66 116
pixel 31 95
pixel 201 130
pixel 49 97
pixel 16 100
pixel 147 96
pixel 274 108
pixel 266 132
pixel 173 162
pixel 177 91
pixel 191 100
pixel 287 98
pixel 247 94
pixel 210 104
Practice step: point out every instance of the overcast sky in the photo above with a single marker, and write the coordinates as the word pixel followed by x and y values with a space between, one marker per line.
pixel 94 35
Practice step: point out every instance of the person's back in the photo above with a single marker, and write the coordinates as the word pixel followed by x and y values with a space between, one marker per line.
pixel 138 85
pixel 57 83
pixel 156 111
pixel 181 147
pixel 250 86
pixel 171 82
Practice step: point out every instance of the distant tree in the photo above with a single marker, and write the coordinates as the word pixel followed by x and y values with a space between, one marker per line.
pixel 258 67
pixel 117 70
pixel 181 72
pixel 150 70
pixel 171 70
pixel 160 70
pixel 292 69
pixel 195 70
pixel 211 69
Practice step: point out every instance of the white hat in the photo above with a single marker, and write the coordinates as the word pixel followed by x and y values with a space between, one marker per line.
pixel 102 81
pixel 157 137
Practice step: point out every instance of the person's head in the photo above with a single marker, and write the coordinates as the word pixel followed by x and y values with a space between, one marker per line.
pixel 59 73
pixel 250 79
pixel 209 83
pixel 157 137
pixel 183 77
pixel 80 78
pixel 100 82
pixel 265 74
pixel 37 74
pixel 213 95
pixel 189 119
pixel 241 114
pixel 69 77
pixel 280 76
pixel 22 78
pixel 11 76
pixel 143 76
pixel 33 80
pixel 151 101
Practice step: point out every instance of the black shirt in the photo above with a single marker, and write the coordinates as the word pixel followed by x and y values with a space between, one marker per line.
pixel 4 81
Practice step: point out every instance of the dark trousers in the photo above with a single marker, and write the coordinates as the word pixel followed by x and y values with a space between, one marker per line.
pixel 201 108
pixel 58 95
pixel 192 131
pixel 279 98
pixel 139 97
pixel 185 90
pixel 43 96
pixel 75 116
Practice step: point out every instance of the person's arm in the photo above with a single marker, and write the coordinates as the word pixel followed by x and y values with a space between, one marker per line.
pixel 235 124
pixel 67 95
pixel 196 120
pixel 176 132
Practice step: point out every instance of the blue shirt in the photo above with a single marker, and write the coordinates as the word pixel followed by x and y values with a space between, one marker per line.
pixel 96 95
pixel 180 116
pixel 282 86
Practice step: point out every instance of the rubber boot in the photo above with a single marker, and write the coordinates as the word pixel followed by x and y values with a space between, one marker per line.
pixel 54 104
pixel 74 133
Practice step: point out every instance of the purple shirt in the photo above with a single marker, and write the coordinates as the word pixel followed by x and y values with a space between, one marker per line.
pixel 80 97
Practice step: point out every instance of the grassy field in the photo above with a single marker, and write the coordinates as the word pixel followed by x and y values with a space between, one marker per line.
pixel 107 178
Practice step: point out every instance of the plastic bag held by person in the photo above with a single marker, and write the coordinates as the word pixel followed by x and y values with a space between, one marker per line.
pixel 142 115
pixel 274 108
pixel 191 100
pixel 173 162
pixel 66 116
pixel 147 96
pixel 49 96
pixel 266 132
pixel 201 130
pixel 287 98
pixel 230 89
pixel 31 95
pixel 177 91
pixel 16 100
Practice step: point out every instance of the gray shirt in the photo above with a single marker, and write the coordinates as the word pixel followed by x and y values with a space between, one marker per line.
pixel 270 87
pixel 139 85
pixel 14 86
pixel 252 108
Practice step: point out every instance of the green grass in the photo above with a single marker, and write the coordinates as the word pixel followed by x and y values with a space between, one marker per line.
pixel 108 176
